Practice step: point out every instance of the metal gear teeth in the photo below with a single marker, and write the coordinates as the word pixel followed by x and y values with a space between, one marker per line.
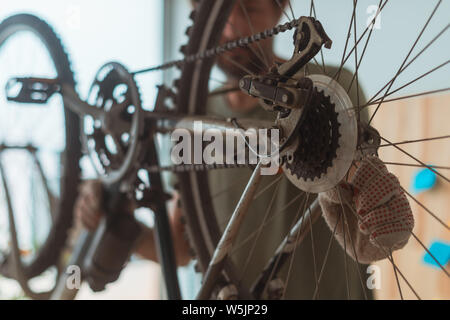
pixel 183 49
pixel 310 165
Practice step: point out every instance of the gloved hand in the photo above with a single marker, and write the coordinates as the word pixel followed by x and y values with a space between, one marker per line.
pixel 88 206
pixel 380 220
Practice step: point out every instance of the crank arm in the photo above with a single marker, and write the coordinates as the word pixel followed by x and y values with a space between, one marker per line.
pixel 78 106
pixel 40 90
pixel 31 90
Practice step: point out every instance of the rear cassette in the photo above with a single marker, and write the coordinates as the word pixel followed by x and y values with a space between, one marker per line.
pixel 327 139
pixel 318 139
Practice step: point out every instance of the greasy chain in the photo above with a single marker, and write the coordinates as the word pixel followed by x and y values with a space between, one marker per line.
pixel 239 43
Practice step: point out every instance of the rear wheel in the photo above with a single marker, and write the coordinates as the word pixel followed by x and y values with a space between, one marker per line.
pixel 203 210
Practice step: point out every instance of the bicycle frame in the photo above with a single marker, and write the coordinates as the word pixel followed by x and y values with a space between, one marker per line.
pixel 167 123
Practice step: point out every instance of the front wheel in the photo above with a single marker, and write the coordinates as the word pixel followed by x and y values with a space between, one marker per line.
pixel 39 153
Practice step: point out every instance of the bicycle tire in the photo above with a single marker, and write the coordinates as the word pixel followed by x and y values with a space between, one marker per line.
pixel 51 249
pixel 202 228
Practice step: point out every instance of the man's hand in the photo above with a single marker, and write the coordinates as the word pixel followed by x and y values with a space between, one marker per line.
pixel 88 207
pixel 380 220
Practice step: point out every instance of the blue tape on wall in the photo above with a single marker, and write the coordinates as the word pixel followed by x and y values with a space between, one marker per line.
pixel 441 251
pixel 423 180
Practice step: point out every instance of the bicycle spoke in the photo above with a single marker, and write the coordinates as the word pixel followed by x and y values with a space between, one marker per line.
pixel 284 11
pixel 318 65
pixel 412 60
pixel 313 13
pixel 295 249
pixel 225 190
pixel 313 249
pixel 408 97
pixel 272 219
pixel 280 256
pixel 345 254
pixel 406 59
pixel 338 73
pixel 414 158
pixel 396 276
pixel 244 9
pixel 358 111
pixel 260 229
pixel 292 10
pixel 296 234
pixel 261 192
pixel 260 58
pixel 361 58
pixel 415 141
pixel 347 229
pixel 330 243
pixel 268 187
pixel 222 82
pixel 359 39
pixel 432 256
pixel 237 64
pixel 414 165
pixel 425 208
pixel 380 101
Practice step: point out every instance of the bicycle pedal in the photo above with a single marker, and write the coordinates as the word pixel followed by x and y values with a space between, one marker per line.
pixel 31 90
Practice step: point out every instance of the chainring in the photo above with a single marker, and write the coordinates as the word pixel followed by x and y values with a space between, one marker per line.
pixel 112 141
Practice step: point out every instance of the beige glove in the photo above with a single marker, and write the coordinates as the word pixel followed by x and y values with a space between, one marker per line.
pixel 380 221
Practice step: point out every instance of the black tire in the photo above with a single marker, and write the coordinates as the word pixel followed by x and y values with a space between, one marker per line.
pixel 49 253
pixel 202 227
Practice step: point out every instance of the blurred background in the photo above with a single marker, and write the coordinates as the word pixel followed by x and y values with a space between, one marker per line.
pixel 141 33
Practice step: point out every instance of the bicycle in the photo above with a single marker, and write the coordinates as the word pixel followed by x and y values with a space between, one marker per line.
pixel 120 138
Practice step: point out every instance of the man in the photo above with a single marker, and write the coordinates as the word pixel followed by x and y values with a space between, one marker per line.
pixel 371 240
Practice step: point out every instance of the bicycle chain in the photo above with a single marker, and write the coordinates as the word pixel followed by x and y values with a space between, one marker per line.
pixel 216 51
pixel 241 43
pixel 194 167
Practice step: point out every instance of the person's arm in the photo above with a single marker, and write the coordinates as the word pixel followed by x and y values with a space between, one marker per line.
pixel 88 210
pixel 146 247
